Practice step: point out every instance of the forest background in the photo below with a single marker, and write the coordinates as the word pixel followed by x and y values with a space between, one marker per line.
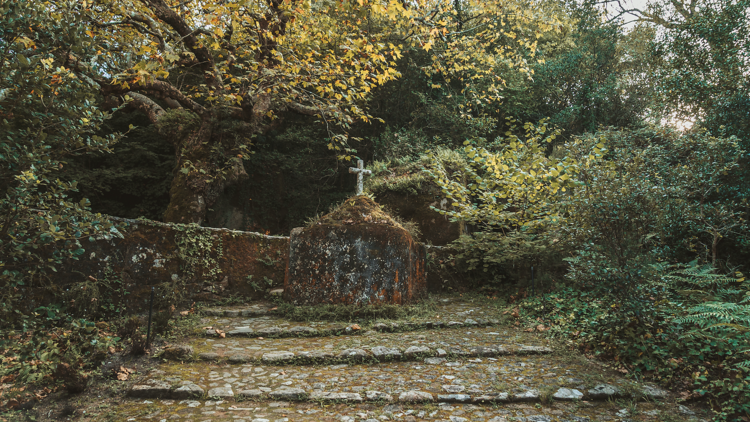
pixel 604 144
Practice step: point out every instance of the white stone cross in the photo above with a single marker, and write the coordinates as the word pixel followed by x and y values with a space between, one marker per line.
pixel 360 171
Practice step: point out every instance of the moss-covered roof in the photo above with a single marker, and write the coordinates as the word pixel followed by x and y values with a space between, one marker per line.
pixel 358 210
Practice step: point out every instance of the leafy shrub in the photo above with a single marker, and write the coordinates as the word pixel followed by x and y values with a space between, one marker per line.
pixel 690 330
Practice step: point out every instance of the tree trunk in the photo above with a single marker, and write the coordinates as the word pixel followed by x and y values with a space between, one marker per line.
pixel 205 167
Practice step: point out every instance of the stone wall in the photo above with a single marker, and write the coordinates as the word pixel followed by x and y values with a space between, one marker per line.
pixel 210 262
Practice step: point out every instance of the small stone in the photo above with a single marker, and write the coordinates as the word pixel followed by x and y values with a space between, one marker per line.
pixel 534 350
pixel 153 390
pixel 492 398
pixel 178 353
pixel 487 351
pixel 604 391
pixel 253 394
pixel 684 410
pixel 317 355
pixel 380 327
pixel 441 353
pixel 434 361
pixel 232 313
pixel 378 396
pixel 269 331
pixel 453 388
pixel 470 322
pixel 415 351
pixel 276 292
pixel 455 324
pixel 221 392
pixel 454 398
pixel 336 397
pixel 239 359
pixel 356 354
pixel 187 391
pixel 208 356
pixel 457 351
pixel 213 312
pixel 382 352
pixel 528 395
pixel 567 394
pixel 277 357
pixel 457 419
pixel 538 418
pixel 241 331
pixel 303 330
pixel 654 392
pixel 288 394
pixel 415 396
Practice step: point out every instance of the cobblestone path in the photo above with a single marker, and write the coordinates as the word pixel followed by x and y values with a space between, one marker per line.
pixel 459 364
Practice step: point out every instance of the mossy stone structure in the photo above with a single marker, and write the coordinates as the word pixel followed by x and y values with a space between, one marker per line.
pixel 357 254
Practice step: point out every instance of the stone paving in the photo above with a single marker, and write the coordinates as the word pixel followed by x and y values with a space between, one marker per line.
pixel 477 370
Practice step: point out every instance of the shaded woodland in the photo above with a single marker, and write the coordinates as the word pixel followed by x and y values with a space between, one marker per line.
pixel 605 144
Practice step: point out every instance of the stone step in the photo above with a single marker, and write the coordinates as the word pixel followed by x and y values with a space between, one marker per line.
pixel 372 355
pixel 303 330
pixel 371 347
pixel 505 379
pixel 311 411
pixel 262 320
pixel 184 391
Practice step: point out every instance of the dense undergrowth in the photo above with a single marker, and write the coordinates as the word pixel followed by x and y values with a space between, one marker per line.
pixel 686 327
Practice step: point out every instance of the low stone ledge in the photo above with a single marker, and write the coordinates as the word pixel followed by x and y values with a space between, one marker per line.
pixel 336 397
pixel 567 394
pixel 382 353
pixel 159 389
pixel 304 331
pixel 526 396
pixel 415 396
pixel 290 394
pixel 277 357
pixel 491 398
pixel 534 350
pixel 223 393
pixel 154 389
pixel 604 392
pixel 454 398
pixel 188 390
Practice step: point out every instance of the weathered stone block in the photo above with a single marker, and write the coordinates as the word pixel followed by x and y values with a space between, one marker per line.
pixel 355 255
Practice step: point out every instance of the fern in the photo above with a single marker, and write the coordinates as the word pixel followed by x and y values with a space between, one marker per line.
pixel 719 302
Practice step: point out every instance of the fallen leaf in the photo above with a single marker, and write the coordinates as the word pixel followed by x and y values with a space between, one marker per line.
pixel 208 328
pixel 274 308
pixel 184 313
pixel 111 350
pixel 355 327
pixel 222 335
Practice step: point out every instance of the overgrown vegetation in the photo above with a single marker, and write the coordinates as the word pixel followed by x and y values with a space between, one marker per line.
pixel 637 231
pixel 355 313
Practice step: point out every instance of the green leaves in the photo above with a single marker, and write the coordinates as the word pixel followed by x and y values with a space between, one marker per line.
pixel 520 176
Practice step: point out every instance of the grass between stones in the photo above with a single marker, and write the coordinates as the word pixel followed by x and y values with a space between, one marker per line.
pixel 356 313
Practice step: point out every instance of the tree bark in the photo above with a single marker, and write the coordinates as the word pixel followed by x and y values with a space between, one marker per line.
pixel 199 178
